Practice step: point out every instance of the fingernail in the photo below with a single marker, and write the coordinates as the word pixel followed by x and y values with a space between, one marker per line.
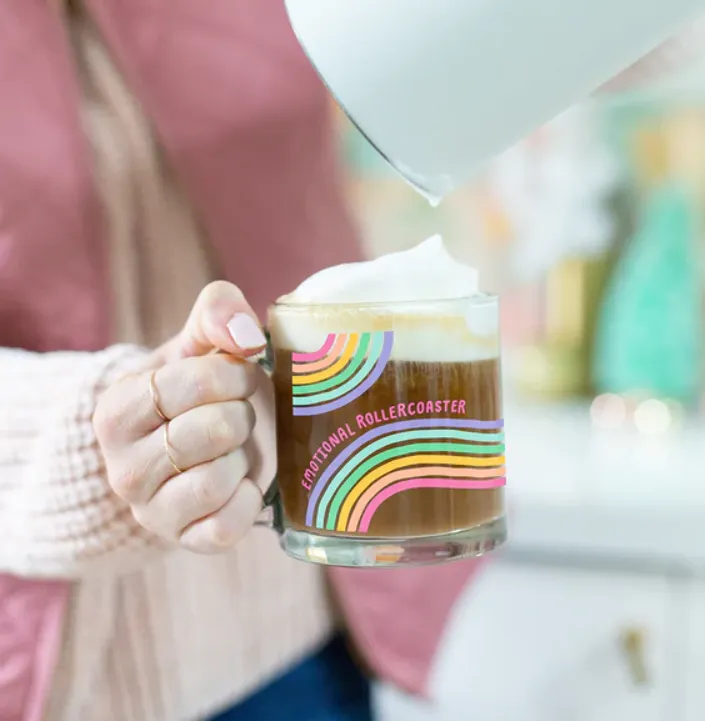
pixel 246 332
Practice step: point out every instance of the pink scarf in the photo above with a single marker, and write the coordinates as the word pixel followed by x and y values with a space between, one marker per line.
pixel 243 120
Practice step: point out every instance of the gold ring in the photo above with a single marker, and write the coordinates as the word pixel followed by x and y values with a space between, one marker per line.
pixel 167 449
pixel 155 397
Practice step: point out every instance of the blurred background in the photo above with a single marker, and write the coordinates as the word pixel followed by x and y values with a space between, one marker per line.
pixel 591 230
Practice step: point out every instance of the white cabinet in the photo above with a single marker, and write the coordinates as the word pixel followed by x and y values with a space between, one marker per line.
pixel 533 641
pixel 538 643
pixel 692 638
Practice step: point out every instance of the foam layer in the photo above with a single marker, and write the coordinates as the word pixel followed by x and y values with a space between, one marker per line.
pixel 426 272
pixel 449 320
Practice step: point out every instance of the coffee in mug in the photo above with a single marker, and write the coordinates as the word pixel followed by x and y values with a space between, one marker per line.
pixel 389 425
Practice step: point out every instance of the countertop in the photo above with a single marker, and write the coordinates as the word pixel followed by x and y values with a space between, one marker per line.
pixel 575 488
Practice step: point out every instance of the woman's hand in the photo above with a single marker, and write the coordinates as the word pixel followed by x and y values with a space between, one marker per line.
pixel 198 477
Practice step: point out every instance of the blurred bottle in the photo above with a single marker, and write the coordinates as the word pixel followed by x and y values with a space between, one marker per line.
pixel 650 329
pixel 561 189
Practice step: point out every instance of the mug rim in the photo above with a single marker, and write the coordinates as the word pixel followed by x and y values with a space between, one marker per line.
pixel 476 299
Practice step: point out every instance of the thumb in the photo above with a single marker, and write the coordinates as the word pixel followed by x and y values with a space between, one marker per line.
pixel 220 320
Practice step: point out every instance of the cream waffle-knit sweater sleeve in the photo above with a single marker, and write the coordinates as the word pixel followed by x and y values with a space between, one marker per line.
pixel 58 516
pixel 150 635
pixel 176 636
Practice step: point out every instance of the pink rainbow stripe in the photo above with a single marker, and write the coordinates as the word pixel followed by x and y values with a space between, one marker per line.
pixel 412 473
pixel 325 362
pixel 423 483
pixel 316 355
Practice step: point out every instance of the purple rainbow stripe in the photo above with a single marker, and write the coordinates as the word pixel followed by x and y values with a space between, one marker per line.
pixel 316 355
pixel 326 476
pixel 356 392
pixel 414 483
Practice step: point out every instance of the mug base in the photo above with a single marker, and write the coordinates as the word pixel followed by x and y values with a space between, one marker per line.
pixel 368 552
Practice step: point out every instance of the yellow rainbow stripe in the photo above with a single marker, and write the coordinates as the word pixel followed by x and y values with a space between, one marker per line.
pixel 340 371
pixel 331 366
pixel 468 466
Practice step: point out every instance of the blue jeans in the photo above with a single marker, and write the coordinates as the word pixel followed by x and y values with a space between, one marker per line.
pixel 325 687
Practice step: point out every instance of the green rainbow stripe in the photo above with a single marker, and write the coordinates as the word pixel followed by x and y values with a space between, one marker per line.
pixel 342 370
pixel 332 377
pixel 424 453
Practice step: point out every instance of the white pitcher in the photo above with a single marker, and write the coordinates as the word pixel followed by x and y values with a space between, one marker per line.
pixel 440 86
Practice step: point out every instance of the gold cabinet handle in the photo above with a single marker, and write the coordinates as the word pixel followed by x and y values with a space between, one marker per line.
pixel 633 646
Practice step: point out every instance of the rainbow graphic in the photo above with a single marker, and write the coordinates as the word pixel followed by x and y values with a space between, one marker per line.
pixel 404 455
pixel 340 371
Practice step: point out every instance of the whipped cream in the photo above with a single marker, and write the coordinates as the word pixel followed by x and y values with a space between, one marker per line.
pixel 426 272
pixel 429 299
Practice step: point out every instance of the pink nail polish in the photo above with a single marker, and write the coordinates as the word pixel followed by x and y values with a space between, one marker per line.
pixel 245 331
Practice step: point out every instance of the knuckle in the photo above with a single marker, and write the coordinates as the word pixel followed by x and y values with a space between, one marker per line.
pixel 112 414
pixel 105 421
pixel 219 427
pixel 207 488
pixel 213 484
pixel 237 465
pixel 220 535
pixel 127 484
pixel 143 518
pixel 221 378
pixel 228 425
pixel 227 378
pixel 248 373
pixel 246 419
pixel 204 382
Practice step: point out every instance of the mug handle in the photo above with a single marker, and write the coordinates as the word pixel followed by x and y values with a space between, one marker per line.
pixel 272 515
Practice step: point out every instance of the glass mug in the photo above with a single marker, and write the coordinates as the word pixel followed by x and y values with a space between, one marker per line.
pixel 390 435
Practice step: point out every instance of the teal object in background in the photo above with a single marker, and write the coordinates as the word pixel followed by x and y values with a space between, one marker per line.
pixel 650 331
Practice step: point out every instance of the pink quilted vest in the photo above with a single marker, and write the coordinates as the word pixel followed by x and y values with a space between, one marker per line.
pixel 243 119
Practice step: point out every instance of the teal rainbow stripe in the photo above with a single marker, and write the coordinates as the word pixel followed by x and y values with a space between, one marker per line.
pixel 347 365
pixel 423 453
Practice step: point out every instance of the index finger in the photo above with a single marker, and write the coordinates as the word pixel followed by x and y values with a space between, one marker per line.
pixel 130 409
